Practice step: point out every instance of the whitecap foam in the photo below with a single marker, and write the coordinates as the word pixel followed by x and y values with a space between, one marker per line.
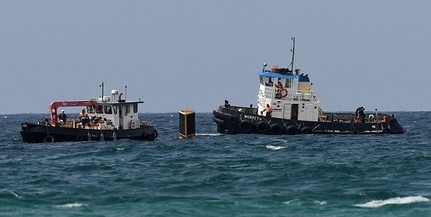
pixel 71 205
pixel 395 200
pixel 275 147
pixel 320 202
pixel 290 201
pixel 208 134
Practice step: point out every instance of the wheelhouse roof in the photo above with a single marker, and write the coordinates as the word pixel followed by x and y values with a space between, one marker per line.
pixel 119 103
pixel 270 74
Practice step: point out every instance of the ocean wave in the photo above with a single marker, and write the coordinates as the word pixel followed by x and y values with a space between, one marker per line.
pixel 71 205
pixel 395 200
pixel 275 147
pixel 15 194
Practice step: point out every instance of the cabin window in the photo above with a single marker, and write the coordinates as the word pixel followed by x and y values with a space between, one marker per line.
pixel 135 108
pixel 127 109
pixel 120 110
pixel 269 82
pixel 90 109
pixel 99 109
pixel 261 80
pixel 282 82
pixel 108 109
pixel 288 83
pixel 115 109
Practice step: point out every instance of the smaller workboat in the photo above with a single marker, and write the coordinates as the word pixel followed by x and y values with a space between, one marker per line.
pixel 106 119
pixel 287 104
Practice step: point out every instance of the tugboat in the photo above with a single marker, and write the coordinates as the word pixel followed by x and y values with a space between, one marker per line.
pixel 286 104
pixel 106 119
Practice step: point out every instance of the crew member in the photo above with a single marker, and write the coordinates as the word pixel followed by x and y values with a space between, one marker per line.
pixel 268 110
pixel 226 104
pixel 83 116
pixel 393 119
pixel 360 114
pixel 62 117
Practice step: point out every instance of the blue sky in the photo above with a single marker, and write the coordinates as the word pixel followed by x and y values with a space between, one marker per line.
pixel 195 54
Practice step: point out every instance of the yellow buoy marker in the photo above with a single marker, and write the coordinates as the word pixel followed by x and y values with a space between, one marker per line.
pixel 187 124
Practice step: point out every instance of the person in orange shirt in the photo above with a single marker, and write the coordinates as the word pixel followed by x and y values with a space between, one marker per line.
pixel 83 116
pixel 268 110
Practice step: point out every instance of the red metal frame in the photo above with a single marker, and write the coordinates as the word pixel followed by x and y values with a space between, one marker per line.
pixel 73 103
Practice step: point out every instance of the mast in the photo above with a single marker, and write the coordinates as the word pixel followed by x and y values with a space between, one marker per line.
pixel 293 54
pixel 125 90
pixel 102 86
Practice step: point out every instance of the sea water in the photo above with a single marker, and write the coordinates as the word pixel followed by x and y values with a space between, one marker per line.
pixel 218 175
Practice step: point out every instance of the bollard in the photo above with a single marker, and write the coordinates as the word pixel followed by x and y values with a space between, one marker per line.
pixel 187 124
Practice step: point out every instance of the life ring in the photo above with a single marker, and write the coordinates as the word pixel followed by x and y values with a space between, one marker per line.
pixel 284 92
pixel 246 126
pixel 371 118
pixel 48 139
pixel 292 130
pixel 150 136
pixel 263 127
pixel 306 130
pixel 276 129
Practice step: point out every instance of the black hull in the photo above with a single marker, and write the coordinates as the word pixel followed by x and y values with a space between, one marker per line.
pixel 35 133
pixel 236 120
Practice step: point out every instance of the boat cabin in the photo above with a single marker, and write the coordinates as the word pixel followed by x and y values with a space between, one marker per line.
pixel 108 112
pixel 288 94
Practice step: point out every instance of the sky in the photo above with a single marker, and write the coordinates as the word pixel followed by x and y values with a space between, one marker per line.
pixel 194 54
